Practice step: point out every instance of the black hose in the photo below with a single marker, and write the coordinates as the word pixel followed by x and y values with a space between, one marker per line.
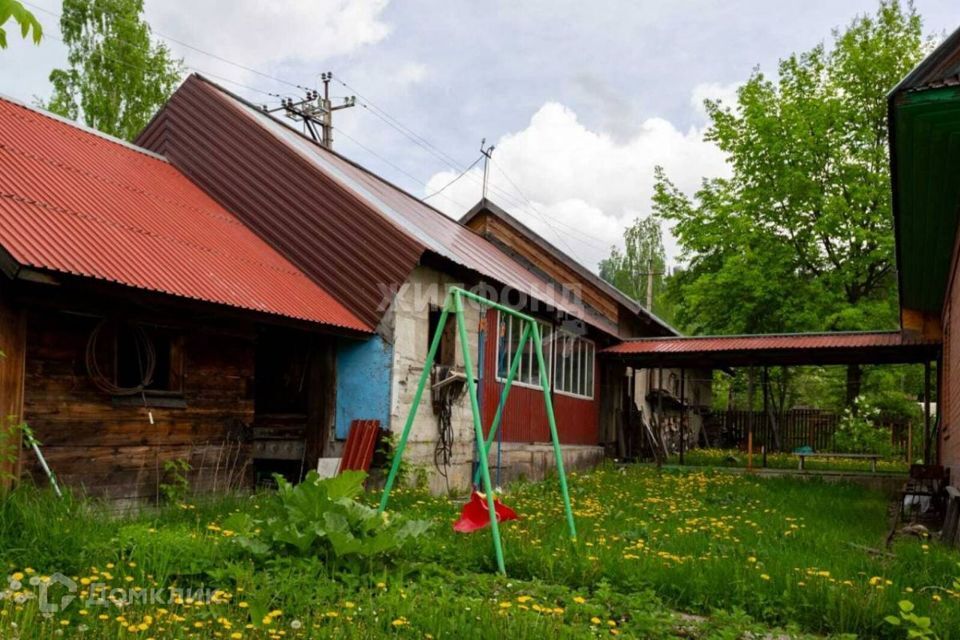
pixel 146 360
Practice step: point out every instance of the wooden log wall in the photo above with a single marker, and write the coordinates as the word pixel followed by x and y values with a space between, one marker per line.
pixel 12 329
pixel 109 448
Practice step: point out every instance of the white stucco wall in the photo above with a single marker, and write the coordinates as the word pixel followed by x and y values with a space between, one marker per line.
pixel 408 324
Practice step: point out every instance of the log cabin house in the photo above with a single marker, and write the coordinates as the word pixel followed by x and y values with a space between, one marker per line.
pixel 230 293
pixel 388 257
pixel 141 322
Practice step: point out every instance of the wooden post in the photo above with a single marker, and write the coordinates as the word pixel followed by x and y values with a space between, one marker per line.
pixel 926 412
pixel 660 414
pixel 683 413
pixel 766 415
pixel 13 343
pixel 750 420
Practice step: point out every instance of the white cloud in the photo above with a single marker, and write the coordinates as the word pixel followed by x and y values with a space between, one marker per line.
pixel 410 73
pixel 585 186
pixel 262 35
pixel 725 93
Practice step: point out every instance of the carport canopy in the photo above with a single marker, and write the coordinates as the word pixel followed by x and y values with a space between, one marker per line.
pixel 795 349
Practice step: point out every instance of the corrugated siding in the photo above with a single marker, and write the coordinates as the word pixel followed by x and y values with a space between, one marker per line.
pixel 525 417
pixel 950 393
pixel 326 230
pixel 84 204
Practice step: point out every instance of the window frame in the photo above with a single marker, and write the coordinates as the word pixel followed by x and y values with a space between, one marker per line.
pixel 175 340
pixel 583 347
pixel 547 356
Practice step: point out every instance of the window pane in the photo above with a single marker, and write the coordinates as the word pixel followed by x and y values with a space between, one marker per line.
pixel 577 366
pixel 503 331
pixel 589 372
pixel 530 351
pixel 547 348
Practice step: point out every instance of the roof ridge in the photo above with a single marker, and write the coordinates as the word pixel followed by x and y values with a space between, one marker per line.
pixel 146 232
pixel 339 155
pixel 72 124
pixel 614 291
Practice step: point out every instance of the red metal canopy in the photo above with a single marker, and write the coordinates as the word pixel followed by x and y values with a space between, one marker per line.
pixel 78 202
pixel 871 347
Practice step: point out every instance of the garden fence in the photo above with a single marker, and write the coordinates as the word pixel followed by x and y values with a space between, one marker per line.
pixel 798 428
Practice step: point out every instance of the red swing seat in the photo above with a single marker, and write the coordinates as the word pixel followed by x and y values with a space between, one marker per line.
pixel 475 514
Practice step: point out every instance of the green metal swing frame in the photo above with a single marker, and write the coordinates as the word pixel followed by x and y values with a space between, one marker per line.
pixel 454 303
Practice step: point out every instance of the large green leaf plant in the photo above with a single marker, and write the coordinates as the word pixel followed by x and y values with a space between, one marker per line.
pixel 322 517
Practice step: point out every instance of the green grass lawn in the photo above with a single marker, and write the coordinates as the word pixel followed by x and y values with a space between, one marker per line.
pixel 738 459
pixel 745 553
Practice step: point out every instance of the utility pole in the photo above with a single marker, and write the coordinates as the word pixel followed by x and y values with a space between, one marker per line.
pixel 650 274
pixel 315 111
pixel 487 156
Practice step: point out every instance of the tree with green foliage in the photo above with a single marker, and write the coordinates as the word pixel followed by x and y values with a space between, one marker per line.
pixel 800 236
pixel 630 270
pixel 11 9
pixel 117 76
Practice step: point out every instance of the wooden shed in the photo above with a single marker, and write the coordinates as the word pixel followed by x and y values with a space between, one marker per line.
pixel 142 323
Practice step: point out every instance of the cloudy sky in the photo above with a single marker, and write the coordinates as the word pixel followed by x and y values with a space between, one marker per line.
pixel 581 99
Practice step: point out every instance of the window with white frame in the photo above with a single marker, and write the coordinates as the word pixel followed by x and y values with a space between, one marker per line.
pixel 509 329
pixel 573 373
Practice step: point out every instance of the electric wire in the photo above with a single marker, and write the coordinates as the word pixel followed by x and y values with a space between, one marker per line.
pixel 462 173
pixel 379 113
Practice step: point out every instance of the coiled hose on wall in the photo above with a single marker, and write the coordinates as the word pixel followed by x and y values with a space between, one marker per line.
pixel 146 358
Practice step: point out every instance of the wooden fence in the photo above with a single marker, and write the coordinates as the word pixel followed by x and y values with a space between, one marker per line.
pixel 798 428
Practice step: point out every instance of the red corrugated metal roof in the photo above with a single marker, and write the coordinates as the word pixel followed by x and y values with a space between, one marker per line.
pixel 792 341
pixel 347 228
pixel 867 347
pixel 78 202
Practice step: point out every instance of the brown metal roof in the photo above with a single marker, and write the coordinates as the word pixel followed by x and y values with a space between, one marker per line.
pixel 619 296
pixel 777 349
pixel 346 227
pixel 78 202
pixel 940 68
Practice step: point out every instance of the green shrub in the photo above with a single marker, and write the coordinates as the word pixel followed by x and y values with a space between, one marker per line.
pixel 858 431
pixel 322 517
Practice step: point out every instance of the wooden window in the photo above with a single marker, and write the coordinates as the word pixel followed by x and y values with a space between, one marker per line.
pixel 135 345
pixel 575 365
pixel 446 355
pixel 509 329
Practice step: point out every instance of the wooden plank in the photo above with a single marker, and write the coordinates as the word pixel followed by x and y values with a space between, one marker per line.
pixel 12 343
pixel 950 534
pixel 114 451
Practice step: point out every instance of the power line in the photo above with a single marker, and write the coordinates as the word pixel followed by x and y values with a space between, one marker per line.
pixel 462 173
pixel 138 67
pixel 366 103
pixel 550 223
pixel 391 164
pixel 425 144
pixel 419 140
pixel 182 44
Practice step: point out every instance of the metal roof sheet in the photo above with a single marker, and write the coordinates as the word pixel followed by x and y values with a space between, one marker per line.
pixel 420 222
pixel 796 348
pixel 622 298
pixel 82 203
